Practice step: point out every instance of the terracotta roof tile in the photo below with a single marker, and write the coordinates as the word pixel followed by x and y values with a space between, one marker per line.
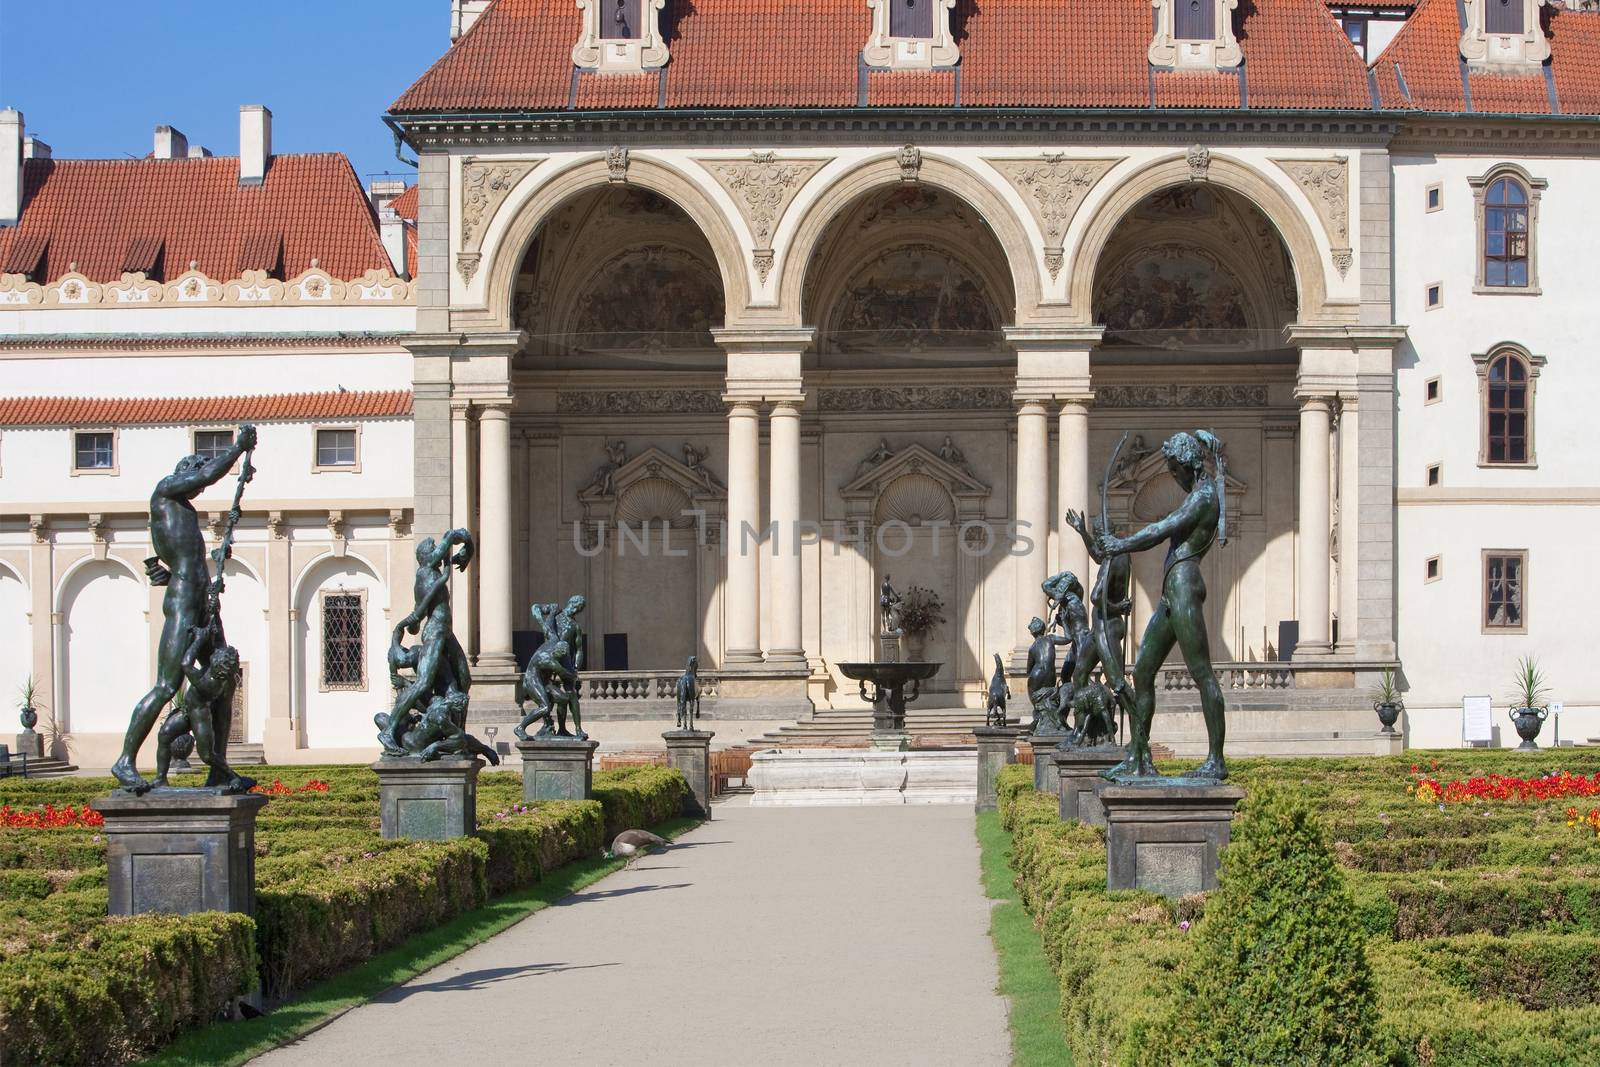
pixel 614 92
pixel 148 411
pixel 405 205
pixel 912 88
pixel 1421 69
pixel 1196 88
pixel 92 209
pixel 1024 53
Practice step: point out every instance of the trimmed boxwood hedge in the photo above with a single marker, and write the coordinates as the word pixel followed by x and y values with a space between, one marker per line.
pixel 1481 923
pixel 77 987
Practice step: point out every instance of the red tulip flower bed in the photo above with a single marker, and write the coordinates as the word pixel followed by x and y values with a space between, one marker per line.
pixel 278 789
pixel 1557 786
pixel 50 817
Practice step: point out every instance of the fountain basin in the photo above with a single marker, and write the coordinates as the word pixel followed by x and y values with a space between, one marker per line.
pixel 824 777
pixel 888 696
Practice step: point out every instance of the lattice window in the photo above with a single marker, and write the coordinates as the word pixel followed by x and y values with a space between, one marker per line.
pixel 344 640
pixel 94 451
pixel 1508 376
pixel 209 444
pixel 1505 590
pixel 336 448
pixel 236 718
pixel 1505 234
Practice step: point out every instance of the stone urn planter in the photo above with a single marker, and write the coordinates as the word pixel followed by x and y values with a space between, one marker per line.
pixel 1529 721
pixel 30 717
pixel 182 748
pixel 916 647
pixel 1388 714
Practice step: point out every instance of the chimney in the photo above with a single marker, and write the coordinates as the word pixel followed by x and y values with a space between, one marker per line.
pixel 33 148
pixel 463 13
pixel 11 130
pixel 199 151
pixel 392 228
pixel 171 143
pixel 255 143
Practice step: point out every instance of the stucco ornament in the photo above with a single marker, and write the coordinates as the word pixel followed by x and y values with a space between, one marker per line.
pixel 1326 183
pixel 484 187
pixel 1199 159
pixel 910 160
pixel 1053 188
pixel 762 188
pixel 617 163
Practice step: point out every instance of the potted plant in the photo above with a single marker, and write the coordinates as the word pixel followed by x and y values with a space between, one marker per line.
pixel 920 611
pixel 1529 711
pixel 30 714
pixel 1387 704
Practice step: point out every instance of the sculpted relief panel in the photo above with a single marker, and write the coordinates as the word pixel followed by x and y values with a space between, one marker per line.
pixel 1172 295
pixel 762 187
pixel 1053 188
pixel 649 296
pixel 915 294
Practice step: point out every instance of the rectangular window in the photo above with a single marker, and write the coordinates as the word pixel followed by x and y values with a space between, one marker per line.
pixel 1433 197
pixel 343 638
pixel 336 448
pixel 1431 391
pixel 1505 588
pixel 1433 474
pixel 1431 569
pixel 1435 297
pixel 1194 20
pixel 620 20
pixel 236 718
pixel 209 444
pixel 911 18
pixel 94 451
pixel 1503 16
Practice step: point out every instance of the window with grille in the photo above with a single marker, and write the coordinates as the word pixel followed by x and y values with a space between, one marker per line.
pixel 1505 234
pixel 1504 16
pixel 94 452
pixel 336 448
pixel 1505 579
pixel 911 18
pixel 1507 399
pixel 620 20
pixel 209 444
pixel 343 637
pixel 236 720
pixel 1194 20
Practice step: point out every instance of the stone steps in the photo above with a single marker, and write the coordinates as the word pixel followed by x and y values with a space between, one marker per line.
pixel 44 767
pixel 244 754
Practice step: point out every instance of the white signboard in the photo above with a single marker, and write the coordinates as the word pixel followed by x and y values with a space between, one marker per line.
pixel 1477 720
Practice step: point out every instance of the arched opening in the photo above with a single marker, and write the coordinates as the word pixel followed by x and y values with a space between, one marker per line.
pixel 244 606
pixel 619 276
pixel 342 646
pixel 16 635
pixel 107 665
pixel 1194 287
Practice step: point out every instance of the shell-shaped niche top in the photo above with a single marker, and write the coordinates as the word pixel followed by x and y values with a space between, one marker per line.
pixel 654 501
pixel 914 499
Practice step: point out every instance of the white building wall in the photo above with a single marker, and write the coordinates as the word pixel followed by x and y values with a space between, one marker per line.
pixel 1550 510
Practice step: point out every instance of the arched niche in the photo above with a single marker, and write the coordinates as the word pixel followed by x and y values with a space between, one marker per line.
pixel 16 633
pixel 106 646
pixel 339 715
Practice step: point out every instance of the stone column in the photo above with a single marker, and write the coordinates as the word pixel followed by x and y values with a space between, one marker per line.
pixel 1349 522
pixel 742 598
pixel 461 517
pixel 1033 518
pixel 784 511
pixel 495 538
pixel 1313 565
pixel 1072 483
pixel 279 737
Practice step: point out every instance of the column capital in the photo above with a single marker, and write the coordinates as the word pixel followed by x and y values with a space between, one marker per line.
pixel 1312 398
pixel 494 409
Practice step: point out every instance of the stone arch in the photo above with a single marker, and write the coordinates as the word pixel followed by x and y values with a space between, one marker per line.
pixel 885 171
pixel 16 630
pixel 301 579
pixel 339 716
pixel 14 572
pixel 1305 253
pixel 594 173
pixel 105 658
pixel 64 583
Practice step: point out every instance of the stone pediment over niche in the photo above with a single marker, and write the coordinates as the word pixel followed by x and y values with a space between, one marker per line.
pixel 907 486
pixel 653 488
pixel 1143 491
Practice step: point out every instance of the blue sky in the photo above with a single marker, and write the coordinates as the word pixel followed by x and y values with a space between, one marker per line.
pixel 95 77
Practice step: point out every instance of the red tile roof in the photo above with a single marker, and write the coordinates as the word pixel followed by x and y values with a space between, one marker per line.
pixel 134 411
pixel 789 54
pixel 405 205
pixel 1422 68
pixel 93 211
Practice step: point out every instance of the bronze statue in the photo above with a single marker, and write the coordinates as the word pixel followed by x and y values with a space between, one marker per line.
pixel 1190 530
pixel 689 694
pixel 205 709
pixel 995 711
pixel 890 608
pixel 429 717
pixel 1043 689
pixel 1095 718
pixel 1112 597
pixel 551 681
pixel 189 606
pixel 1069 615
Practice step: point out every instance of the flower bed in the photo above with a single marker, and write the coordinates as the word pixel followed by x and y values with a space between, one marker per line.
pixel 329 893
pixel 1479 909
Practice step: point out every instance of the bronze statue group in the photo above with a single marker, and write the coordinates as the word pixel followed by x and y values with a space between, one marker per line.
pixel 1196 462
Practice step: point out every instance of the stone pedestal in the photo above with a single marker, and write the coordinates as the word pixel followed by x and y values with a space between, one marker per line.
pixel 557 768
pixel 889 648
pixel 997 746
pixel 30 743
pixel 889 741
pixel 1166 836
pixel 690 752
pixel 1044 772
pixel 1079 782
pixel 428 801
pixel 177 851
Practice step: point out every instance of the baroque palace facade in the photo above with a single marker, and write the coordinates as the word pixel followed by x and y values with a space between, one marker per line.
pixel 721 317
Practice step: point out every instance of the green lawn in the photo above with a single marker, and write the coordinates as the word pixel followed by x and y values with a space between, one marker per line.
pixel 1025 976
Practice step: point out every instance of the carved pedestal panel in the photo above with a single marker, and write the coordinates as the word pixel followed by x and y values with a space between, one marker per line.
pixel 428 801
pixel 179 852
pixel 557 768
pixel 1167 837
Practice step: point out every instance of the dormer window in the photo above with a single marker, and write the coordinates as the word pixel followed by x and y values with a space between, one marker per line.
pixel 1504 35
pixel 910 35
pixel 620 36
pixel 1194 34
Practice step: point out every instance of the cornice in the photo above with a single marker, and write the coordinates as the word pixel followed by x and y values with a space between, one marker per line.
pixel 313 287
pixel 55 344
